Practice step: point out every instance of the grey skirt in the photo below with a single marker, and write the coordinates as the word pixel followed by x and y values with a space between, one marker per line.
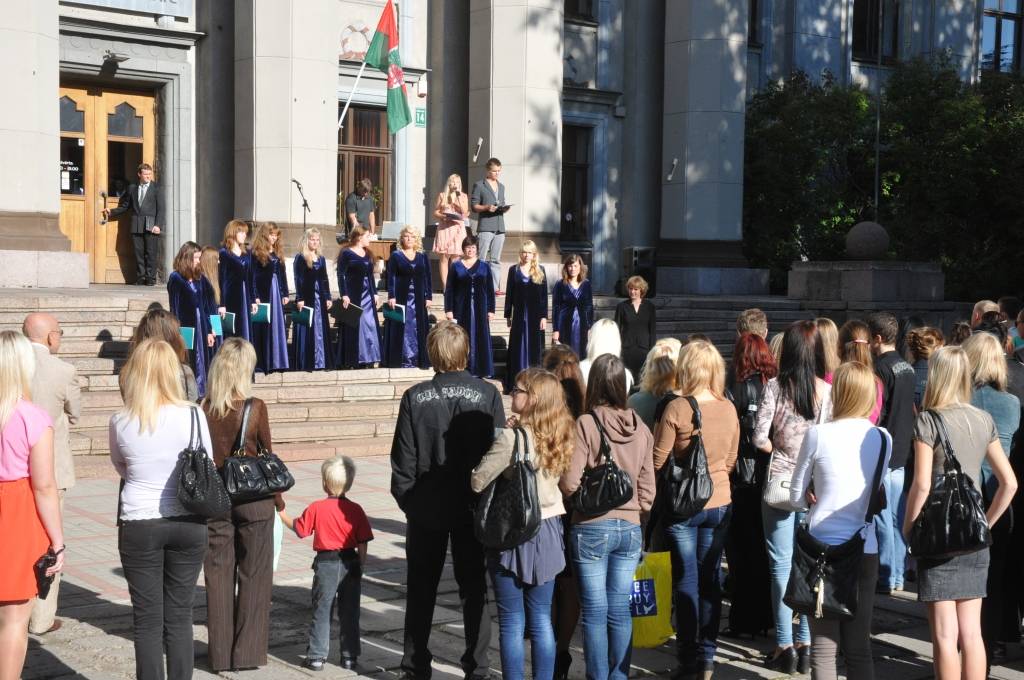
pixel 963 577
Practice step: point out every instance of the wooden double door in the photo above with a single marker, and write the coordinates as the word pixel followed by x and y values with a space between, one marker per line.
pixel 104 136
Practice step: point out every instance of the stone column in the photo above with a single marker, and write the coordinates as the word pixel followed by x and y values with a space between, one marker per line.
pixel 447 119
pixel 291 76
pixel 515 107
pixel 700 245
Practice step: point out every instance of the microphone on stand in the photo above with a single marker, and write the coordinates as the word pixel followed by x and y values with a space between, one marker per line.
pixel 297 183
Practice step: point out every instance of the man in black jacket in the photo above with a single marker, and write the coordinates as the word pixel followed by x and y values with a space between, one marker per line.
pixel 445 426
pixel 146 205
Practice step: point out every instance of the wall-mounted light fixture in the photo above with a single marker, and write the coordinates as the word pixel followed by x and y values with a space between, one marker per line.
pixel 115 57
pixel 672 170
pixel 479 145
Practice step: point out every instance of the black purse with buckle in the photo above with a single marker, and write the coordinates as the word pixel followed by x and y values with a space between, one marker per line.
pixel 243 477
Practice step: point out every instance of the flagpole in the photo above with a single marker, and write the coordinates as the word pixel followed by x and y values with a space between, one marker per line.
pixel 352 92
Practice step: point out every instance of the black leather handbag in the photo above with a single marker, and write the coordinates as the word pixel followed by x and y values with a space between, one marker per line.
pixel 685 486
pixel 508 511
pixel 248 478
pixel 952 521
pixel 200 488
pixel 605 486
pixel 823 578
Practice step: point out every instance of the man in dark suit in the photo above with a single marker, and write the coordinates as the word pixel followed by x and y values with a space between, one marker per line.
pixel 146 205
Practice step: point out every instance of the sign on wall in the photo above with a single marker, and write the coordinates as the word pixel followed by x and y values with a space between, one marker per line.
pixel 421 117
pixel 174 8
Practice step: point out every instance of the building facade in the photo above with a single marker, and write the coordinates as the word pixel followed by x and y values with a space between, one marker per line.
pixel 619 123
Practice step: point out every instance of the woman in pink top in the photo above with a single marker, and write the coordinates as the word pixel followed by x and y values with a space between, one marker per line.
pixel 29 509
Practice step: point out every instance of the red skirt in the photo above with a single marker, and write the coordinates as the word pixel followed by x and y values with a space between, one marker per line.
pixel 24 541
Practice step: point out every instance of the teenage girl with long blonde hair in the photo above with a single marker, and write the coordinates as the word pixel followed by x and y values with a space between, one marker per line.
pixel 270 286
pixel 235 294
pixel 524 576
pixel 451 210
pixel 526 311
pixel 311 347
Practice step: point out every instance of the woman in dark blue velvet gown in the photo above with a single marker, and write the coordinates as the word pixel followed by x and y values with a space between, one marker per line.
pixel 408 277
pixel 209 267
pixel 311 345
pixel 526 310
pixel 469 299
pixel 269 286
pixel 358 347
pixel 572 306
pixel 236 278
pixel 189 295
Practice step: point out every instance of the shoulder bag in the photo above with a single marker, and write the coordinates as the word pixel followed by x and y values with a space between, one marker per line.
pixel 243 477
pixel 685 486
pixel 952 521
pixel 777 485
pixel 745 474
pixel 605 486
pixel 823 577
pixel 508 511
pixel 200 489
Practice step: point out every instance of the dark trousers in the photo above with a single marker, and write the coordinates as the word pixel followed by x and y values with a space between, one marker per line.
pixel 239 571
pixel 161 560
pixel 425 550
pixel 828 636
pixel 999 622
pixel 147 254
pixel 335 578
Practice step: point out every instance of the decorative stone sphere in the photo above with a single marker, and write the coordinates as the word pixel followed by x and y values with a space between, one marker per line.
pixel 867 241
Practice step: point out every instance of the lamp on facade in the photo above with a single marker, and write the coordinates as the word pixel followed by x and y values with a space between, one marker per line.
pixel 110 56
pixel 421 86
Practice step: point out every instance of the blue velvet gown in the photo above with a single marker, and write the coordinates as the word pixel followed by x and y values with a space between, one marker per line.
pixel 269 286
pixel 526 303
pixel 405 345
pixel 469 296
pixel 311 345
pixel 572 314
pixel 235 294
pixel 358 346
pixel 190 303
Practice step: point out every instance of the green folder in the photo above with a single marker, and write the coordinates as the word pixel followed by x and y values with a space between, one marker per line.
pixel 228 323
pixel 397 314
pixel 188 334
pixel 215 325
pixel 262 313
pixel 304 317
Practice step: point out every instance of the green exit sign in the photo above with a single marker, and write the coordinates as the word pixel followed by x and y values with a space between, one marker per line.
pixel 421 118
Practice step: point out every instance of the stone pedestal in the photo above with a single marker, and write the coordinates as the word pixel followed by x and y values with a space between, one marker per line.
pixel 868 281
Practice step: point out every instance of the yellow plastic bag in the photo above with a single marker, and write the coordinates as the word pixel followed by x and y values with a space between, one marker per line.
pixel 650 602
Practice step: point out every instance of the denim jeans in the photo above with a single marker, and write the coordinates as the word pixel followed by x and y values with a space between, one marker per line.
pixel 341 579
pixel 489 250
pixel 697 546
pixel 892 547
pixel 605 554
pixel 780 532
pixel 522 606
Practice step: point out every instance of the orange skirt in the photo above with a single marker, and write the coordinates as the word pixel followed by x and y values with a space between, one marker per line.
pixel 24 541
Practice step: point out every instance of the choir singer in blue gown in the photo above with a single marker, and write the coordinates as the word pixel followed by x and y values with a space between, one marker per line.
pixel 408 280
pixel 311 345
pixel 235 277
pixel 189 295
pixel 572 306
pixel 269 286
pixel 526 310
pixel 358 347
pixel 469 300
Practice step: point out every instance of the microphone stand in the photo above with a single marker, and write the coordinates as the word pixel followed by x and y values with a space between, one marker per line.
pixel 305 204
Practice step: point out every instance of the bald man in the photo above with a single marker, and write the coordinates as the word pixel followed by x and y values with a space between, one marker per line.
pixel 54 388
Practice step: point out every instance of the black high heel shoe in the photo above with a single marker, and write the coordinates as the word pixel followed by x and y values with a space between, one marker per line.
pixel 783 662
pixel 803 659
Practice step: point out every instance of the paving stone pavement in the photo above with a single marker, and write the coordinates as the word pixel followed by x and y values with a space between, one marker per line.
pixel 95 642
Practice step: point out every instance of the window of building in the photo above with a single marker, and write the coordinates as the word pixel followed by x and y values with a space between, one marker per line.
pixel 576 142
pixel 580 10
pixel 364 151
pixel 1000 35
pixel 754 24
pixel 868 33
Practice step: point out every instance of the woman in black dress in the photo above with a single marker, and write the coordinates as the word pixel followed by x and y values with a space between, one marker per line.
pixel 636 320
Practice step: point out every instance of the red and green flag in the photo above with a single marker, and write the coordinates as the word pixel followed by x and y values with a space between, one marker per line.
pixel 383 56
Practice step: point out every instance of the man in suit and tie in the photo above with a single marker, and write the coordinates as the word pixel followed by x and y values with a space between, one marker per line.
pixel 146 205
pixel 55 389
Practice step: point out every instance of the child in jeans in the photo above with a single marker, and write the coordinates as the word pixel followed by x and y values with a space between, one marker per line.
pixel 340 534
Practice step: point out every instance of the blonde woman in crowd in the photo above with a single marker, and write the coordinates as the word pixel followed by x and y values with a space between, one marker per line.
pixel 30 518
pixel 451 210
pixel 526 311
pixel 922 343
pixel 604 339
pixel 657 378
pixel 953 588
pixel 855 346
pixel 829 333
pixel 311 343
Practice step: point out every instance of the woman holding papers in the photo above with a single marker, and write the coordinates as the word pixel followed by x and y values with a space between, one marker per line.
pixel 469 300
pixel 358 345
pixel 235 280
pixel 451 211
pixel 209 267
pixel 311 340
pixel 526 311
pixel 408 276
pixel 189 293
pixel 572 306
pixel 270 288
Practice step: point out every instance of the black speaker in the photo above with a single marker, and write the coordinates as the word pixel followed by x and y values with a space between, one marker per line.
pixel 638 261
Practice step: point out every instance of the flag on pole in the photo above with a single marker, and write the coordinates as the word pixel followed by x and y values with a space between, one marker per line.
pixel 383 56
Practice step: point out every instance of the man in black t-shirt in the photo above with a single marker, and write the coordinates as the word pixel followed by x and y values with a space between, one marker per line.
pixel 360 208
pixel 897 416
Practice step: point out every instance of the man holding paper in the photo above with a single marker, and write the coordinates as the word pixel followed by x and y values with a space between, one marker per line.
pixel 489 204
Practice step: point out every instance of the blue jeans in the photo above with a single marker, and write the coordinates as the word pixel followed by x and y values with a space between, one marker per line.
pixel 892 547
pixel 697 546
pixel 341 579
pixel 780 532
pixel 605 554
pixel 521 605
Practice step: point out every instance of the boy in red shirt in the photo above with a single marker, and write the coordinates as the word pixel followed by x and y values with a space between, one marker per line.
pixel 340 533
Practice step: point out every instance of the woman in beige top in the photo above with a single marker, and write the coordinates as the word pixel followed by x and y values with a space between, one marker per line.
pixel 451 211
pixel 698 541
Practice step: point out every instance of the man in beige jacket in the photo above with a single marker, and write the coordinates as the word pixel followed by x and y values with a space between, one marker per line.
pixel 54 388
